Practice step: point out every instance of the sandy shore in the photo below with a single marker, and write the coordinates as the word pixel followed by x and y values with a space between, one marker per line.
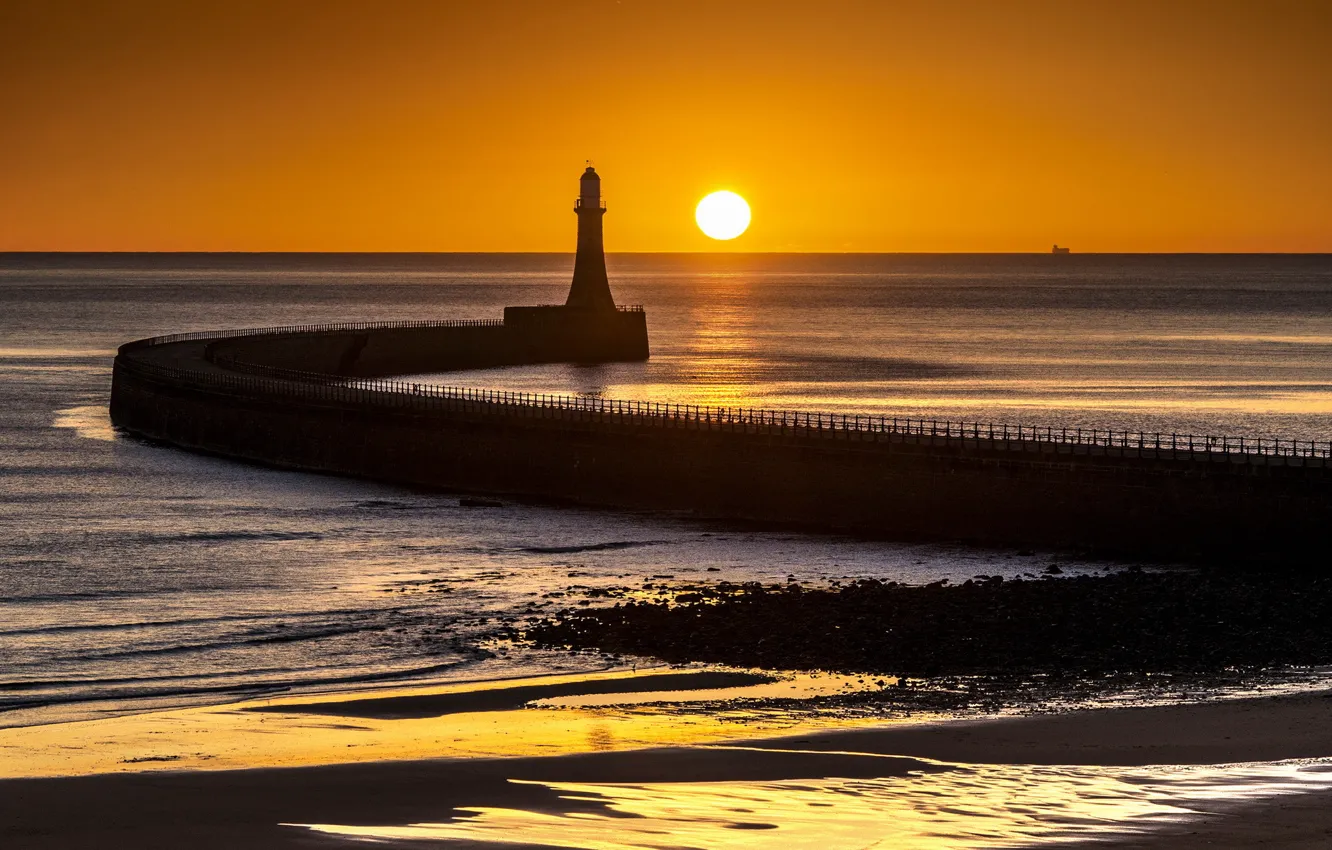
pixel 234 808
pixel 1240 730
pixel 1248 730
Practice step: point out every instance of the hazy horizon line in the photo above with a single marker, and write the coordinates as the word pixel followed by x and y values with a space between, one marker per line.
pixel 8 253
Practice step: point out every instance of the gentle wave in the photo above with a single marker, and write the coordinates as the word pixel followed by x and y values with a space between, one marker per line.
pixel 110 593
pixel 229 536
pixel 385 505
pixel 186 648
pixel 260 686
pixel 187 621
pixel 589 547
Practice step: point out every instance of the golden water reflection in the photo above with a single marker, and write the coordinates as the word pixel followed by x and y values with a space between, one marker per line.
pixel 897 802
pixel 91 422
pixel 722 352
pixel 959 807
pixel 316 730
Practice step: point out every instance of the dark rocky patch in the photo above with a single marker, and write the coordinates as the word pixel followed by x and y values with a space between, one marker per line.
pixel 1125 622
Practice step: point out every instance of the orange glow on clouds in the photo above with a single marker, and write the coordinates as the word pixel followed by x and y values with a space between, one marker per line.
pixel 847 126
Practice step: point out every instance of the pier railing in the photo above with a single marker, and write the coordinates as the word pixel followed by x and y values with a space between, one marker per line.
pixel 255 377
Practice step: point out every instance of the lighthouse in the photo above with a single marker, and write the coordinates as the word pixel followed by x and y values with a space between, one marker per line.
pixel 590 289
pixel 588 327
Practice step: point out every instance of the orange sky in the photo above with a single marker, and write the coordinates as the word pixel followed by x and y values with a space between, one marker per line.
pixel 876 126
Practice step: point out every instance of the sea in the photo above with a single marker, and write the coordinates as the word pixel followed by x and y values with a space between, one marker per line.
pixel 136 576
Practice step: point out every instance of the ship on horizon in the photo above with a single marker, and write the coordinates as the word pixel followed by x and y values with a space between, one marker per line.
pixel 1058 250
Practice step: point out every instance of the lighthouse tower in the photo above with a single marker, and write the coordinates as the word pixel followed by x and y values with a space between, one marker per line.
pixel 590 289
pixel 587 327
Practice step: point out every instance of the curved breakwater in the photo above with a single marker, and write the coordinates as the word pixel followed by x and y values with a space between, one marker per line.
pixel 316 399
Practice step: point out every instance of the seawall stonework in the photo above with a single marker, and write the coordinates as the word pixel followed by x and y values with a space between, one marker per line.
pixel 285 400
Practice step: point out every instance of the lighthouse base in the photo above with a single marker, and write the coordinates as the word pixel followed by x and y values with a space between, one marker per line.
pixel 561 333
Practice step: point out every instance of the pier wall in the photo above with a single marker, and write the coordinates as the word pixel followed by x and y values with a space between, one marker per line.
pixel 239 398
pixel 527 335
pixel 375 353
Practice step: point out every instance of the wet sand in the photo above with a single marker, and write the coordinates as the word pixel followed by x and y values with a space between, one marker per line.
pixel 1223 732
pixel 235 809
pixel 145 806
pixel 1302 822
pixel 514 697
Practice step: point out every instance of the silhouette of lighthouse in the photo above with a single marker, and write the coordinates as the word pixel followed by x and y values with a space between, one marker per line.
pixel 588 327
pixel 590 289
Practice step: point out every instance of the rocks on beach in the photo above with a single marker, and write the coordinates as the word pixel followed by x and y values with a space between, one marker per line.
pixel 1130 621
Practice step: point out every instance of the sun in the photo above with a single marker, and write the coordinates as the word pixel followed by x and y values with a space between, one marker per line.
pixel 722 215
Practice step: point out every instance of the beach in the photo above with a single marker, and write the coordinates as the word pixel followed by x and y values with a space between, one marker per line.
pixel 576 775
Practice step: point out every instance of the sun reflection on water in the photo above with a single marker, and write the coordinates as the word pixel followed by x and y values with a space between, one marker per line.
pixel 958 807
pixel 88 421
pixel 722 352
